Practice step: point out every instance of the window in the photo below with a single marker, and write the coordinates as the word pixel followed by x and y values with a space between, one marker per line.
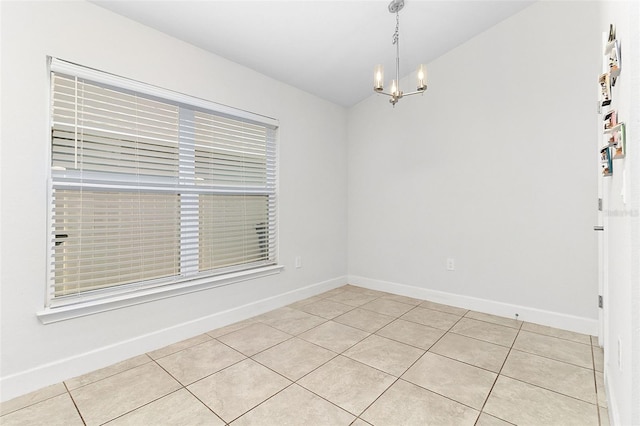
pixel 151 189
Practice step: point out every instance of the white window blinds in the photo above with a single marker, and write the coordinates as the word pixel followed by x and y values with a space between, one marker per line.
pixel 150 187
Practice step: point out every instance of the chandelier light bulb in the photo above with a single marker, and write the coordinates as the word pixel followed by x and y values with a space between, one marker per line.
pixel 422 77
pixel 378 78
pixel 394 87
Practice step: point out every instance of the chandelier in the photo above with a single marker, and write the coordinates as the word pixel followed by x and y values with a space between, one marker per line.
pixel 378 73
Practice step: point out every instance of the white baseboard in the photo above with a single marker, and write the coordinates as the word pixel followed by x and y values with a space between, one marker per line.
pixel 612 407
pixel 534 315
pixel 57 371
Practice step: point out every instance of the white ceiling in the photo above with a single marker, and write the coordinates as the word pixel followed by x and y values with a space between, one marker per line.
pixel 324 47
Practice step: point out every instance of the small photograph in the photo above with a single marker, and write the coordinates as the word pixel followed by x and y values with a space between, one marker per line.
pixel 605 89
pixel 612 33
pixel 610 119
pixel 613 54
pixel 618 141
pixel 605 161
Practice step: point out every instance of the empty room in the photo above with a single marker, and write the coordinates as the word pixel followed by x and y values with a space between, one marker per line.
pixel 318 212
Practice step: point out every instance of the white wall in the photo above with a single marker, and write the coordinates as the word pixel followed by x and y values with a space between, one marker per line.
pixel 312 192
pixel 622 227
pixel 494 167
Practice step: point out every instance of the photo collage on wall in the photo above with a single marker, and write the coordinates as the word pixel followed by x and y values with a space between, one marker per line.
pixel 614 131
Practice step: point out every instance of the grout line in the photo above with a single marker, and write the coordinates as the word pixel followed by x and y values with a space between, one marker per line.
pixel 551 390
pixel 182 349
pixel 491 322
pixel 405 343
pixel 463 362
pixel 560 338
pixel 260 403
pixel 74 403
pixel 144 405
pixel 551 358
pixel 380 396
pixel 185 387
pixel 481 340
pixel 149 359
pixel 207 407
pixel 31 404
pixel 499 374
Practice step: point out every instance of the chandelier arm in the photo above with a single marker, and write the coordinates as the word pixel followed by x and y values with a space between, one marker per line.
pixel 417 92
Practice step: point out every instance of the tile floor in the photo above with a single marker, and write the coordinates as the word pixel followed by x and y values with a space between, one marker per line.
pixel 350 356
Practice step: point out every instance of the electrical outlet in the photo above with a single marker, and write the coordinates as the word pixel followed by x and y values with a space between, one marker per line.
pixel 298 262
pixel 451 264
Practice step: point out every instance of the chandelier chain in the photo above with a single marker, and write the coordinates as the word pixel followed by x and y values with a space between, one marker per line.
pixel 396 34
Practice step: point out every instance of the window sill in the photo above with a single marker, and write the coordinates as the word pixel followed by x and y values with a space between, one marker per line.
pixel 63 313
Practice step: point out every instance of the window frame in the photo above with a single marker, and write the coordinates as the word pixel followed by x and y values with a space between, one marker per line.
pixel 65 307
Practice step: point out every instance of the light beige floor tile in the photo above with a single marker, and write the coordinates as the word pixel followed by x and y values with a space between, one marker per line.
pixel 352 298
pixel 296 406
pixel 231 328
pixel 364 320
pixel 300 303
pixel 254 338
pixel 556 332
pixel 604 416
pixel 552 347
pixel 387 307
pixel 602 397
pixel 384 354
pixel 443 308
pixel 176 409
pixel 365 290
pixel 403 299
pixel 431 318
pixel 492 333
pixel 294 358
pixel 291 321
pixel 237 389
pixel 56 411
pixel 326 308
pixel 334 292
pixel 461 382
pixel 32 398
pixel 199 361
pixel 494 319
pixel 487 420
pixel 598 358
pixel 334 336
pixel 177 347
pixel 472 351
pixel 347 383
pixel 407 404
pixel 352 287
pixel 111 370
pixel 524 404
pixel 109 398
pixel 411 333
pixel 558 376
